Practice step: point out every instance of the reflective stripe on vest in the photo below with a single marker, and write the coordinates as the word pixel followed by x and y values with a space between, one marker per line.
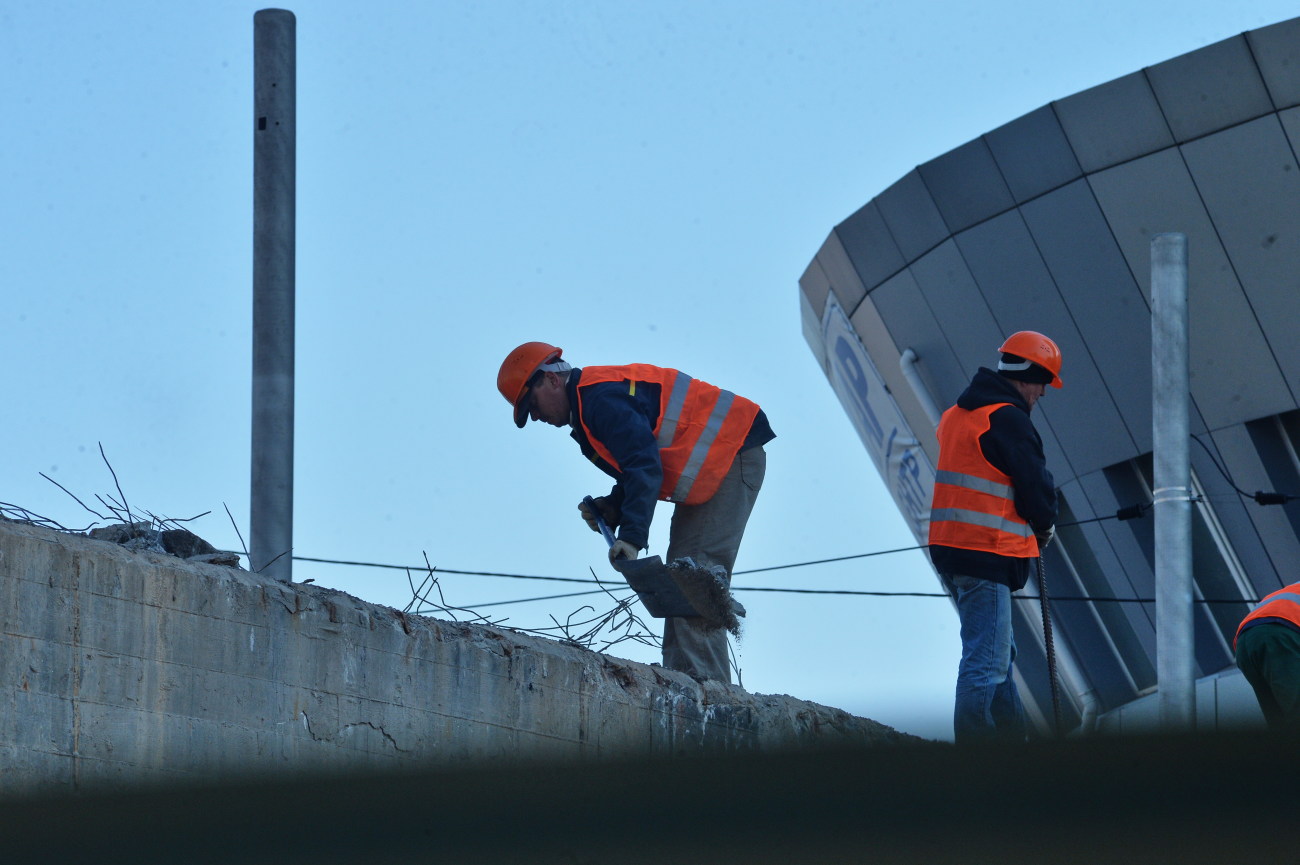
pixel 974 502
pixel 978 518
pixel 699 431
pixel 1282 604
pixel 974 482
pixel 695 462
pixel 673 409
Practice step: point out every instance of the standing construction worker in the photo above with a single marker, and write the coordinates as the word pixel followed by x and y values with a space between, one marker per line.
pixel 1267 646
pixel 994 506
pixel 661 435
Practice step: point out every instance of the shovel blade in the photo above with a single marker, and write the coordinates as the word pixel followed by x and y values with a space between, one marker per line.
pixel 650 579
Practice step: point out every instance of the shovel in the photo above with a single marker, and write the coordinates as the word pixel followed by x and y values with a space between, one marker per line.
pixel 649 578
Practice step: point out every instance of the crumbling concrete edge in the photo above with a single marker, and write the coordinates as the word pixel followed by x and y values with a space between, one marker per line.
pixel 136 665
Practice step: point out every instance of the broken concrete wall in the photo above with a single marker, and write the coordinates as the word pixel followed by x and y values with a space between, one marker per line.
pixel 121 666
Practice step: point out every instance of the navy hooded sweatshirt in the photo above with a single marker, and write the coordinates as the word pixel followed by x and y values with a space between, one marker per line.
pixel 1013 446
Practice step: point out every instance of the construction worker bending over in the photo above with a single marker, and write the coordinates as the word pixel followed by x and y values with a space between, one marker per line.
pixel 661 435
pixel 1267 646
pixel 994 505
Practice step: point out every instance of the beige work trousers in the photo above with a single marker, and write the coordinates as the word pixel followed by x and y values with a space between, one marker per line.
pixel 710 534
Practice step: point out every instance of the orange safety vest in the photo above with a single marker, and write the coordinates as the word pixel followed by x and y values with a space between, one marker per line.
pixel 974 503
pixel 700 428
pixel 1282 604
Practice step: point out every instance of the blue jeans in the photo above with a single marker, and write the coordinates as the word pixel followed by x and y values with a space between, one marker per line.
pixel 988 705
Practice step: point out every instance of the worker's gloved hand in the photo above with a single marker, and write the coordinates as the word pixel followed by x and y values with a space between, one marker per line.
pixel 1045 537
pixel 605 508
pixel 623 550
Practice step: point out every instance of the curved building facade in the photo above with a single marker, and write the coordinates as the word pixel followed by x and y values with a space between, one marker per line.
pixel 1046 224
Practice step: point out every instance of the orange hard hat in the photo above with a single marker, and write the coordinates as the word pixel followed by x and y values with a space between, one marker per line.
pixel 518 368
pixel 1033 346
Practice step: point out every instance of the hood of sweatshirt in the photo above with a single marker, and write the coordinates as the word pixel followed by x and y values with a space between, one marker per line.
pixel 987 388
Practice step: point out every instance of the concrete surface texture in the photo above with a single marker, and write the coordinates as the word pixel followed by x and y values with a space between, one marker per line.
pixel 121 667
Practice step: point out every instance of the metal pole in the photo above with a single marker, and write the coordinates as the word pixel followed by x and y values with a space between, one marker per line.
pixel 907 363
pixel 274 186
pixel 1175 652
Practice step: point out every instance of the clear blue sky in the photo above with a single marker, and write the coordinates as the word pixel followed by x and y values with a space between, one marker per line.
pixel 636 182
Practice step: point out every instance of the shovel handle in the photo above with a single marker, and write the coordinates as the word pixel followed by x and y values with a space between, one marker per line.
pixel 600 522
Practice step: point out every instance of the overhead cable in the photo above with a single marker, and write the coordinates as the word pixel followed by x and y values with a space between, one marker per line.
pixel 443 570
pixel 860 593
pixel 1122 514
pixel 1260 497
pixel 1125 513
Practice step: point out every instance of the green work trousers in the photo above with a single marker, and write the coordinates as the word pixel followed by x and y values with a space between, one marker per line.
pixel 1269 657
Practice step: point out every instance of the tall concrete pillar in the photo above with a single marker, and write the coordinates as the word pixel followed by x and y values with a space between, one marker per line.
pixel 274 187
pixel 1175 648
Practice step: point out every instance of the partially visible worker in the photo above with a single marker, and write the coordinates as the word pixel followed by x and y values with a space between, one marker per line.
pixel 661 435
pixel 994 508
pixel 1267 646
